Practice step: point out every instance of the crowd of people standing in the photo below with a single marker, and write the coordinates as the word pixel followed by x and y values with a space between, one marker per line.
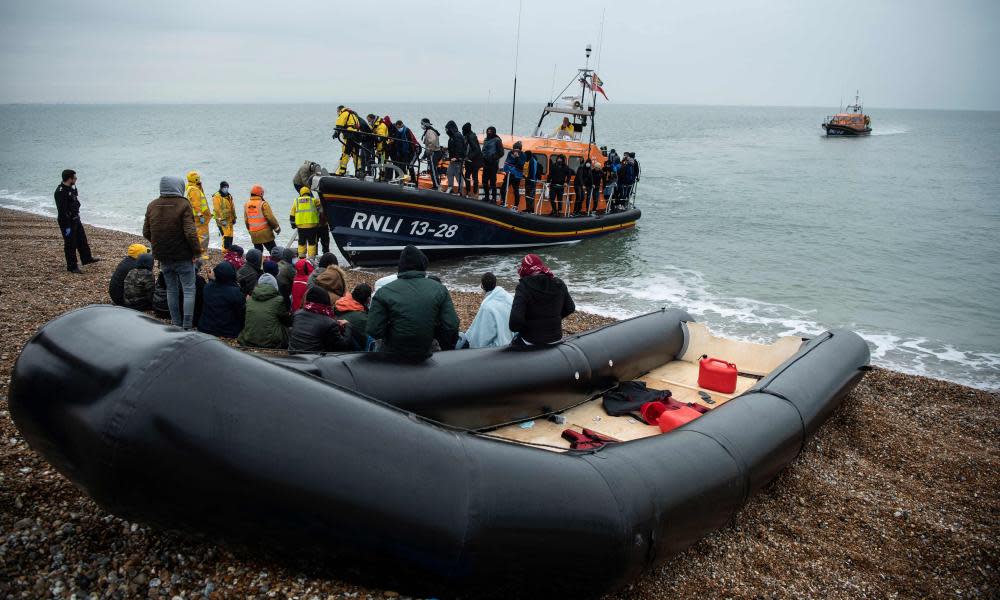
pixel 470 166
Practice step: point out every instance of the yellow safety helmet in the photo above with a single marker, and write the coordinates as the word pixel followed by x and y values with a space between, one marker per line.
pixel 194 177
pixel 304 191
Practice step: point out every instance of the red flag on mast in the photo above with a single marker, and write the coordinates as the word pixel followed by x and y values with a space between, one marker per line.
pixel 595 85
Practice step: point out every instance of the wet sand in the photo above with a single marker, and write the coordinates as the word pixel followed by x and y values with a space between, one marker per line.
pixel 898 495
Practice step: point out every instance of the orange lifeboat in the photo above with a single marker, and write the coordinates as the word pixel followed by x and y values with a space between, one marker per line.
pixel 852 122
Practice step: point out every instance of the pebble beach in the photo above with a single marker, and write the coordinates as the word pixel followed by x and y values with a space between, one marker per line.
pixel 897 496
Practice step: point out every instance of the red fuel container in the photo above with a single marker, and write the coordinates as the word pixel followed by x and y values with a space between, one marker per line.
pixel 716 375
pixel 674 417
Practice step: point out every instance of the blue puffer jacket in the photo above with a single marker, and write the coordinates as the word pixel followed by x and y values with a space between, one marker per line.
pixel 224 308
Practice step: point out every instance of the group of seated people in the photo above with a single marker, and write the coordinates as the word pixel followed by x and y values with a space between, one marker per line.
pixel 280 301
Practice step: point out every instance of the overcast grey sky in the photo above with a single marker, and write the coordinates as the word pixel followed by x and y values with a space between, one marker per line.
pixel 917 54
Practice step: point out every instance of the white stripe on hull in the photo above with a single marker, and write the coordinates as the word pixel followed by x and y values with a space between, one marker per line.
pixel 349 247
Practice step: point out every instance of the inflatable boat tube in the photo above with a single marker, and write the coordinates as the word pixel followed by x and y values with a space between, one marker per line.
pixel 177 430
pixel 476 389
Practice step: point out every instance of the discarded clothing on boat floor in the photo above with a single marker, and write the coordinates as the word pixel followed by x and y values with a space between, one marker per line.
pixel 629 396
pixel 588 439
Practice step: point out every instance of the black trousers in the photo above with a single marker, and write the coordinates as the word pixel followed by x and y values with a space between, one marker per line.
pixel 227 240
pixel 515 184
pixel 490 180
pixel 557 198
pixel 472 175
pixel 529 195
pixel 582 198
pixel 75 241
pixel 324 237
pixel 267 245
pixel 432 167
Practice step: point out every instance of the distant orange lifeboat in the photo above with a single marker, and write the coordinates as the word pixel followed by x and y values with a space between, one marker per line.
pixel 852 122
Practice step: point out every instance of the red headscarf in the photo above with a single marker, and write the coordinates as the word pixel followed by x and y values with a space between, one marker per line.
pixel 533 265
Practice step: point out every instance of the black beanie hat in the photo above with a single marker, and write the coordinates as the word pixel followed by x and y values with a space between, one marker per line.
pixel 412 259
pixel 318 295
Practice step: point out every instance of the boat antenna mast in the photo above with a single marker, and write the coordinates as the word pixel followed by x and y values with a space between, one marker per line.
pixel 517 49
pixel 856 107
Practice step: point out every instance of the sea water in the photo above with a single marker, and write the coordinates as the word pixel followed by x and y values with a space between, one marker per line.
pixel 753 221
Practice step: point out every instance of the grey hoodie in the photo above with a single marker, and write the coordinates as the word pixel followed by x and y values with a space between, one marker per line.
pixel 171 186
pixel 268 279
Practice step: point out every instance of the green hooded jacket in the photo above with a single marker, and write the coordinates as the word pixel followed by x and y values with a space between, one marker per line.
pixel 267 319
pixel 409 313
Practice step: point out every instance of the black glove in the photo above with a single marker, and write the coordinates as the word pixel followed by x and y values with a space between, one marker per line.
pixel 292 221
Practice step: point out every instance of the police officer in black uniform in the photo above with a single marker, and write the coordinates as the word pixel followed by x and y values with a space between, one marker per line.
pixel 74 237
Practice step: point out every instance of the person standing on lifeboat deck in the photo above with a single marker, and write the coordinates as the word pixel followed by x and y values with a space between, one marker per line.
pixel 559 177
pixel 457 151
pixel 381 132
pixel 513 169
pixel 259 220
pixel 347 126
pixel 305 216
pixel 225 214
pixel 583 184
pixel 492 153
pixel 474 161
pixel 199 206
pixel 432 150
pixel 532 173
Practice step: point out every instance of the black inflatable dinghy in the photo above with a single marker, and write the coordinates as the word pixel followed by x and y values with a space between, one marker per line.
pixel 448 475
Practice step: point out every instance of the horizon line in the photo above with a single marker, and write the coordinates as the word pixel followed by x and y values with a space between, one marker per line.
pixel 542 102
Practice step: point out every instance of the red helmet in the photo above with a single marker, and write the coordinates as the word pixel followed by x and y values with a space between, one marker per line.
pixel 257 190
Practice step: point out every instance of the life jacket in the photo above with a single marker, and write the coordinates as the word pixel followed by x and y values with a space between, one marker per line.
pixel 351 121
pixel 306 214
pixel 256 220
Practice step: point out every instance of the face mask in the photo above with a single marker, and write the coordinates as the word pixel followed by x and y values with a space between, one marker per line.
pixel 224 191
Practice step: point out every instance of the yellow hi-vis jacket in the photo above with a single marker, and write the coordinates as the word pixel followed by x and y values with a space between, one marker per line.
pixel 305 211
pixel 199 204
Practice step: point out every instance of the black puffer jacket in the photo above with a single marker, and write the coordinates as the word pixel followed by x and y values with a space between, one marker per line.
pixel 250 272
pixel 475 151
pixel 560 174
pixel 116 287
pixel 224 307
pixel 540 304
pixel 313 332
pixel 457 149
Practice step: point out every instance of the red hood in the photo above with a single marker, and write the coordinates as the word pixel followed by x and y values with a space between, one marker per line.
pixel 303 268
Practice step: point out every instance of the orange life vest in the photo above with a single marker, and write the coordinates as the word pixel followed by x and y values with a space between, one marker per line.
pixel 256 221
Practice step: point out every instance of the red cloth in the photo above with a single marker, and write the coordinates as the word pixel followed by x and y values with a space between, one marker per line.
pixel 300 284
pixel 532 265
pixel 234 259
pixel 319 309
